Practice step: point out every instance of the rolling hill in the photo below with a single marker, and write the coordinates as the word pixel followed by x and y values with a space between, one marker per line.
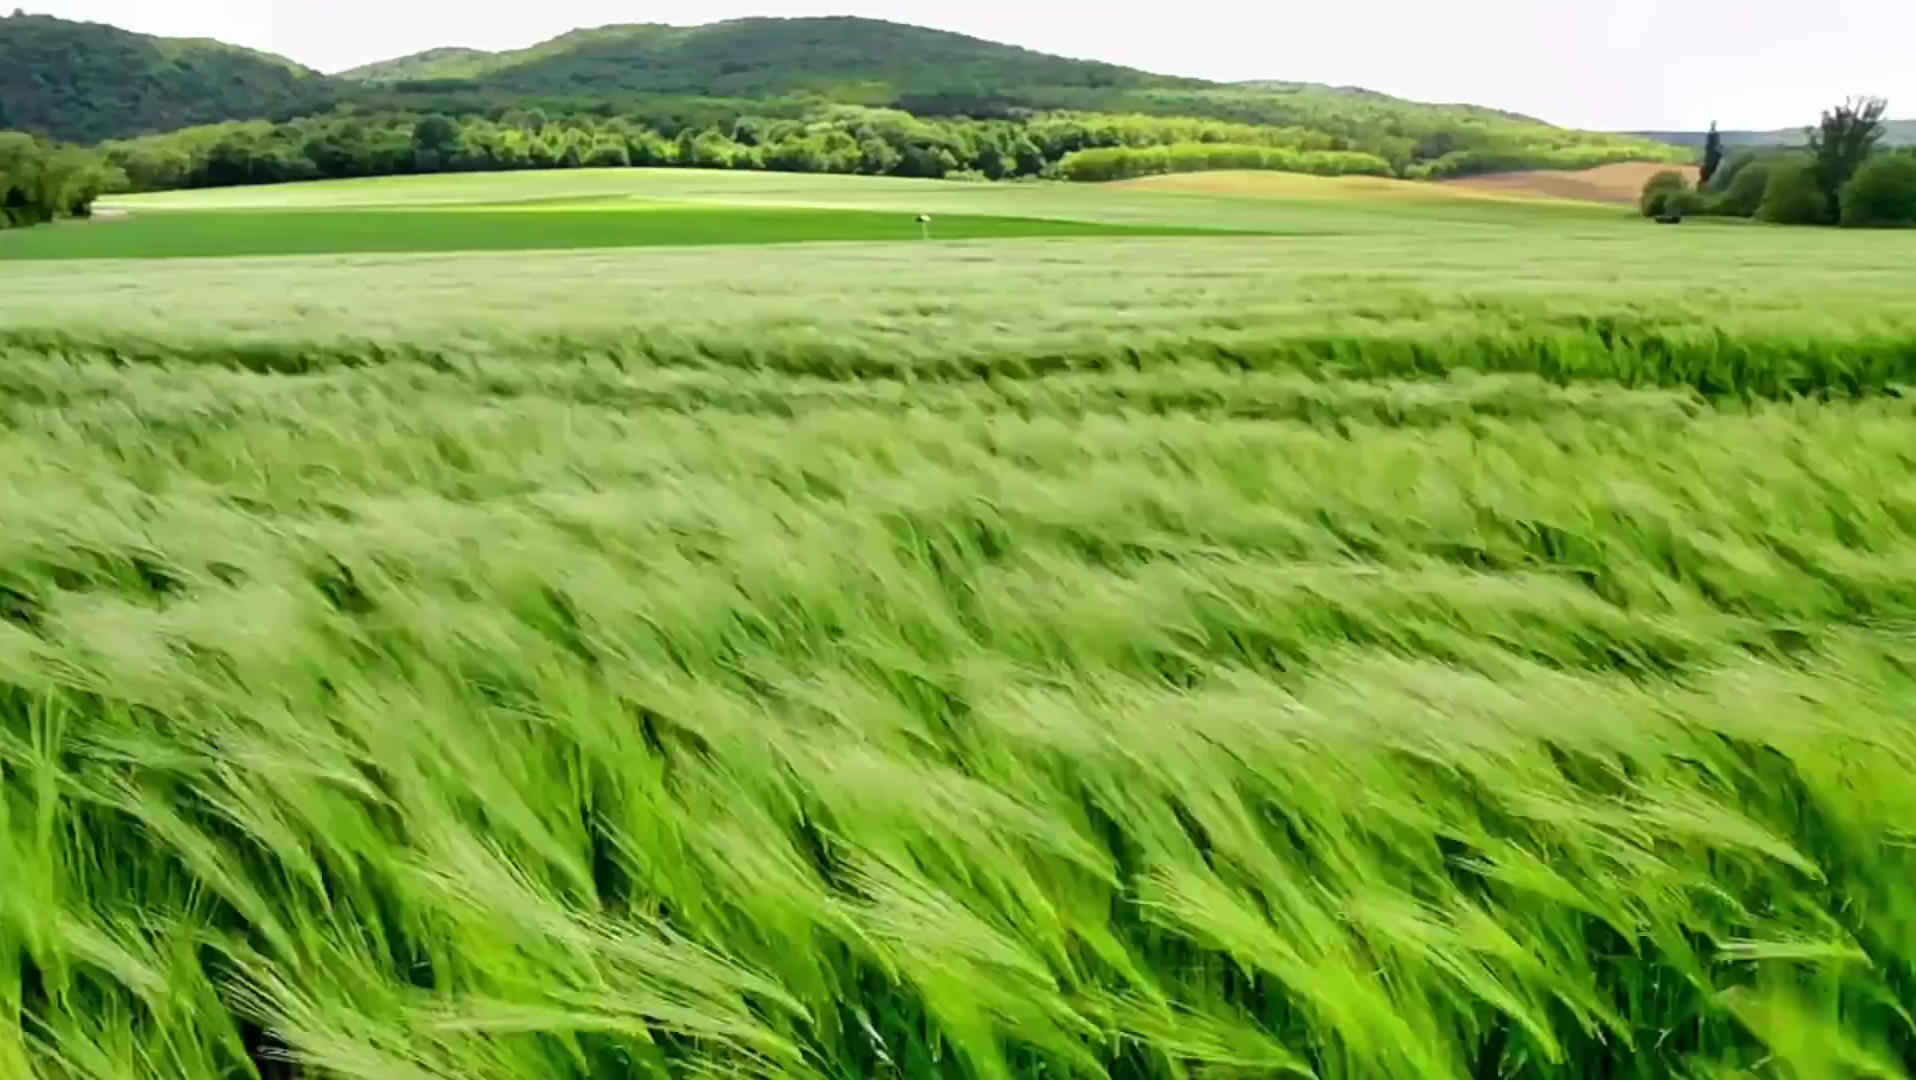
pixel 90 83
pixel 83 82
pixel 933 73
pixel 874 62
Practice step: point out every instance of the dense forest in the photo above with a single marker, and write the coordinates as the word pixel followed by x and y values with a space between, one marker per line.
pixel 42 182
pixel 811 95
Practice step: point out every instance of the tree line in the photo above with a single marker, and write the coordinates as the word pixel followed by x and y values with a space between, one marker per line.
pixel 1448 140
pixel 1842 174
pixel 830 139
pixel 354 144
pixel 42 181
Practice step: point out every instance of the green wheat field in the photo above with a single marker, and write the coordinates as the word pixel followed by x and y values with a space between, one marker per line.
pixel 1202 636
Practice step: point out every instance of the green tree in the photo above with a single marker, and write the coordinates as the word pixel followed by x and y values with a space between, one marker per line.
pixel 711 149
pixel 608 152
pixel 1794 194
pixel 435 141
pixel 796 155
pixel 877 157
pixel 73 180
pixel 1882 194
pixel 42 181
pixel 1841 143
pixel 645 148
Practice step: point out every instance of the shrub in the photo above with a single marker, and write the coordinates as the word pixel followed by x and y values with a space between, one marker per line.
pixel 1659 190
pixel 1882 194
pixel 1684 203
pixel 1744 195
pixel 1733 168
pixel 1793 196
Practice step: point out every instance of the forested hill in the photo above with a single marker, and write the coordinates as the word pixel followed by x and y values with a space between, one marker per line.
pixel 856 61
pixel 83 82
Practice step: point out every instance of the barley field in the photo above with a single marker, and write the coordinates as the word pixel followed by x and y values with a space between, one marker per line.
pixel 1408 643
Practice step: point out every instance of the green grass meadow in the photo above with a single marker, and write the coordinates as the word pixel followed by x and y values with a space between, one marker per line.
pixel 1366 640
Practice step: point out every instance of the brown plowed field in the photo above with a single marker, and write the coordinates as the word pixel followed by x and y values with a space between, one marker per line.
pixel 1607 183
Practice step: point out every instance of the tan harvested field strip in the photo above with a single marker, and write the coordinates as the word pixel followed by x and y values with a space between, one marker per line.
pixel 1609 183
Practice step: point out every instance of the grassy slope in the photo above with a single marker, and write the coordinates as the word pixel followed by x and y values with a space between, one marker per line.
pixel 84 82
pixel 1107 657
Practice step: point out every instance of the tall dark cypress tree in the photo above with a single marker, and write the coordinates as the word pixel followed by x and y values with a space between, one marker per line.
pixel 1712 156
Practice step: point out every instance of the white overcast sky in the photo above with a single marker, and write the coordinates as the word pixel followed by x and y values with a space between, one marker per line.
pixel 1612 64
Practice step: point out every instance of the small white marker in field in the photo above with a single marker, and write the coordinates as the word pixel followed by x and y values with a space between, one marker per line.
pixel 924 226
